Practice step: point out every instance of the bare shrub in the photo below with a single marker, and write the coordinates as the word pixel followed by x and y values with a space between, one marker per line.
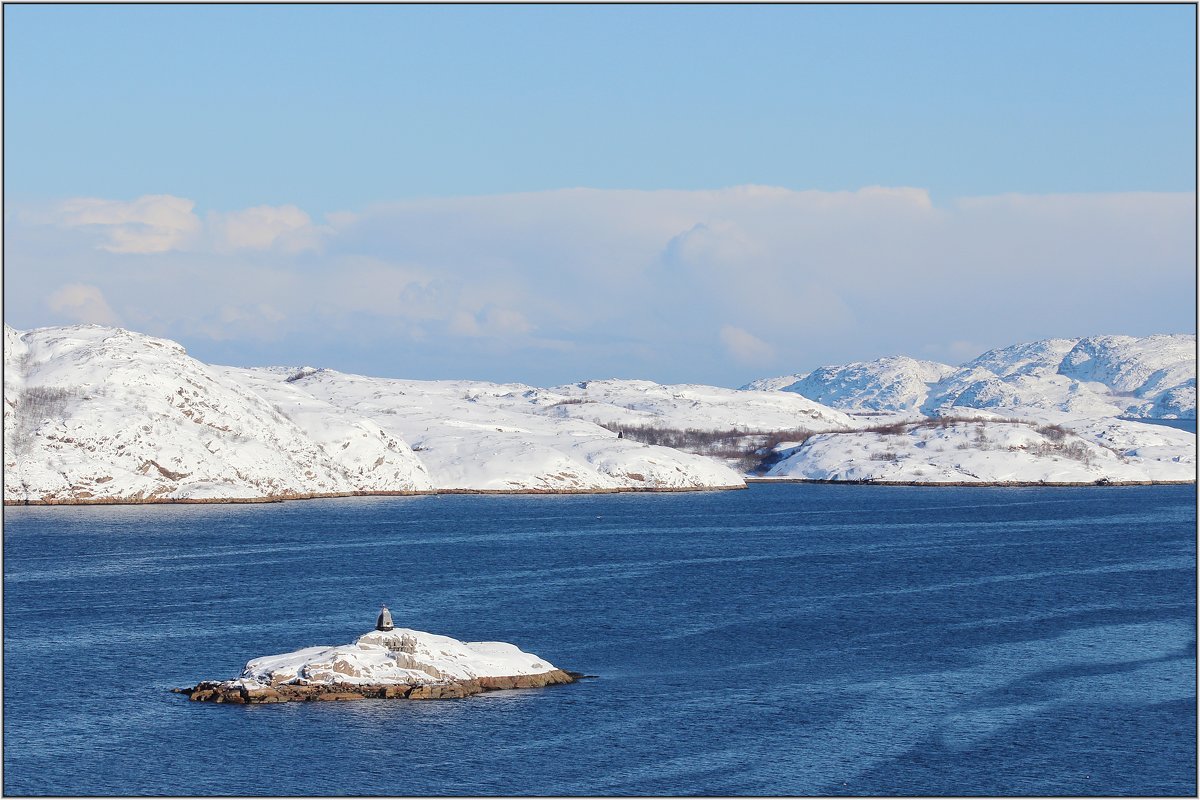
pixel 944 421
pixel 886 455
pixel 300 374
pixel 24 361
pixel 1055 433
pixel 887 429
pixel 45 401
pixel 35 405
pixel 949 419
pixel 1076 451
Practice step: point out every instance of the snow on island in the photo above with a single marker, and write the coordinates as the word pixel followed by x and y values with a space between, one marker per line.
pixel 386 664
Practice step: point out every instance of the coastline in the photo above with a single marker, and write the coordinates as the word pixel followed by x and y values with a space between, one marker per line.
pixel 146 501
pixel 995 484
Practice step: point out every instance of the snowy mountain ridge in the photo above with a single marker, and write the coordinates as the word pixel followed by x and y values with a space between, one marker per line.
pixel 1147 377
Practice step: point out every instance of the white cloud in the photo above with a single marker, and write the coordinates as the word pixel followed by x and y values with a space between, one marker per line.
pixel 506 321
pixel 633 282
pixel 962 350
pixel 82 303
pixel 717 245
pixel 230 322
pixel 490 321
pixel 264 227
pixel 362 284
pixel 745 346
pixel 464 323
pixel 165 223
pixel 154 223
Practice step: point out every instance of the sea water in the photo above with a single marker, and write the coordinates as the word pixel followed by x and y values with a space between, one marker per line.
pixel 788 639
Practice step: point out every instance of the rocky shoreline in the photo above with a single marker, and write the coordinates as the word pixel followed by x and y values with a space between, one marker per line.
pixel 142 501
pixel 139 501
pixel 239 693
pixel 997 484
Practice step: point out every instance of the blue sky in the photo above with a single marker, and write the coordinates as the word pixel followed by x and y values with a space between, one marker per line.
pixel 361 120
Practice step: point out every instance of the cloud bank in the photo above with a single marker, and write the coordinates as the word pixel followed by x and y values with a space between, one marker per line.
pixel 150 224
pixel 717 286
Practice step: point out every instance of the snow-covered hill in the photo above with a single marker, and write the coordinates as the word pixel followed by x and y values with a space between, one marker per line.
pixel 1098 376
pixel 689 406
pixel 474 435
pixel 96 414
pixel 93 413
pixel 1067 394
pixel 995 450
pixel 895 383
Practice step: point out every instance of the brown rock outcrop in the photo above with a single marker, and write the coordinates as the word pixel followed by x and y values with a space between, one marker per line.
pixel 236 692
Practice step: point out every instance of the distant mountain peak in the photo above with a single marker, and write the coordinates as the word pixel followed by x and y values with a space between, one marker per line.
pixel 1148 376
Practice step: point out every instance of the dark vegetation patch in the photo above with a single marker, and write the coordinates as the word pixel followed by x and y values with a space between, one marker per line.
pixel 1055 433
pixel 751 451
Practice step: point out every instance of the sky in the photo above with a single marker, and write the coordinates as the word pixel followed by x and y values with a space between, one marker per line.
pixel 548 194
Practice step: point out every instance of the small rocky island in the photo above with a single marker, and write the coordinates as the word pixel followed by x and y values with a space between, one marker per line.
pixel 389 663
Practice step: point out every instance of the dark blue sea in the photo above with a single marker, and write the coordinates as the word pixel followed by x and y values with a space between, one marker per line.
pixel 788 639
